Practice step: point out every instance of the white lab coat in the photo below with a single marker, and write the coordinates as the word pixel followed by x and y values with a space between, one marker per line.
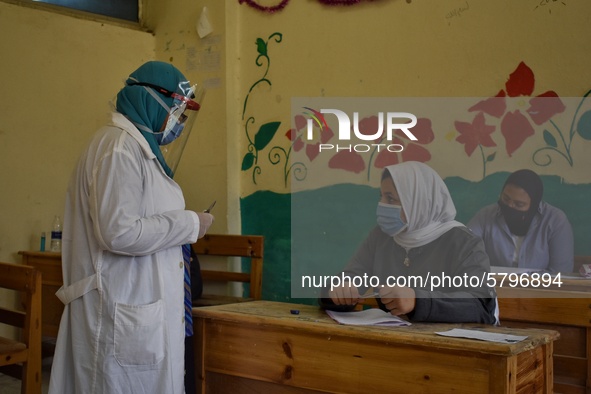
pixel 122 330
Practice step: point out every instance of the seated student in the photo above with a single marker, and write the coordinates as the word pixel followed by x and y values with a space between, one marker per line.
pixel 417 236
pixel 521 230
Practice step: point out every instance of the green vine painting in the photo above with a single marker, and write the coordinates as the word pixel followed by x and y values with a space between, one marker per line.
pixel 259 140
pixel 579 125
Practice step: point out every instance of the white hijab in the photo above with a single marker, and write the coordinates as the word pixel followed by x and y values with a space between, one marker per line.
pixel 428 206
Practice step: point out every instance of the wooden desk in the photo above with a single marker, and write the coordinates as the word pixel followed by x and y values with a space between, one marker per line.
pixel 260 346
pixel 50 265
pixel 571 282
pixel 566 311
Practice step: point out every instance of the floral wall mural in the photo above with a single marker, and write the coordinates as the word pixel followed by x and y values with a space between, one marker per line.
pixel 504 124
pixel 375 157
pixel 518 124
pixel 331 189
pixel 485 105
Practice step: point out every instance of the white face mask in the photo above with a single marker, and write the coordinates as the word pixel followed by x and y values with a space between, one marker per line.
pixel 389 218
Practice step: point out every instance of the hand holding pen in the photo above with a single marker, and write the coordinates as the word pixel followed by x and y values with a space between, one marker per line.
pixel 205 220
pixel 208 210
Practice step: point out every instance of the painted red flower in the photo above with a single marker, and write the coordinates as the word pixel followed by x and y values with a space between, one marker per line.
pixel 348 161
pixel 412 150
pixel 474 134
pixel 369 126
pixel 544 107
pixel 298 138
pixel 515 126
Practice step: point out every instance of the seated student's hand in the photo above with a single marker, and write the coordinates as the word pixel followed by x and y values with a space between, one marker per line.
pixel 344 295
pixel 398 300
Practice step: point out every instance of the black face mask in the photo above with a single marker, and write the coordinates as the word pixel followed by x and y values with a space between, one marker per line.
pixel 518 221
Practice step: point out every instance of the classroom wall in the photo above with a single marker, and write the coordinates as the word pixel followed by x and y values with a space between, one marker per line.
pixel 205 170
pixel 407 49
pixel 253 64
pixel 389 48
pixel 58 74
pixel 427 49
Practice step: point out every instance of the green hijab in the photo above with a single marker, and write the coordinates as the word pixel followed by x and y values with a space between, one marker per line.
pixel 142 109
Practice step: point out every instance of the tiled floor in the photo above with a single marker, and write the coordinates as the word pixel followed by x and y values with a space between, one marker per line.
pixel 9 385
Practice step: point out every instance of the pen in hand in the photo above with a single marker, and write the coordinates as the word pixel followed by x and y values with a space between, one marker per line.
pixel 370 295
pixel 208 210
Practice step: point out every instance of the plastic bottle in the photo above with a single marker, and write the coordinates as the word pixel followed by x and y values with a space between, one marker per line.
pixel 56 235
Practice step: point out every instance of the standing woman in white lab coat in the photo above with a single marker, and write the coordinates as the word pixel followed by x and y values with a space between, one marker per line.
pixel 123 327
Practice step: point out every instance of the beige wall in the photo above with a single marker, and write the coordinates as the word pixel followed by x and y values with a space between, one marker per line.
pixel 57 75
pixel 205 171
pixel 454 48
pixel 395 48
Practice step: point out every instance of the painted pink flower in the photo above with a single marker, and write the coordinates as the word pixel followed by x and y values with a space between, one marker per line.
pixel 298 137
pixel 348 161
pixel 412 150
pixel 369 126
pixel 474 134
pixel 515 126
pixel 544 107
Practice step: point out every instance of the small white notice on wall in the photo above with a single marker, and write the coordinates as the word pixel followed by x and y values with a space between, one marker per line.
pixel 203 24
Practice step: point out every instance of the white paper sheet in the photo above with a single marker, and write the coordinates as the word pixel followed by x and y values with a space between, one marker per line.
pixel 512 270
pixel 368 317
pixel 203 24
pixel 482 335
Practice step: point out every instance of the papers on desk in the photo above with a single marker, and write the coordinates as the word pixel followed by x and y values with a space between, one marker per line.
pixel 368 317
pixel 574 276
pixel 585 270
pixel 482 335
pixel 512 270
pixel 583 274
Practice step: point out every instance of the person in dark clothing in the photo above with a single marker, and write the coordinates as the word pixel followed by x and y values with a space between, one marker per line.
pixel 196 291
pixel 420 261
pixel 521 230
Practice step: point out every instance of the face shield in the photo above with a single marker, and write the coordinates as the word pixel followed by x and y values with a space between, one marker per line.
pixel 176 129
pixel 180 123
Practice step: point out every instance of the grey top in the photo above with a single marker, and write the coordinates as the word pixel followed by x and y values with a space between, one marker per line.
pixel 457 257
pixel 548 244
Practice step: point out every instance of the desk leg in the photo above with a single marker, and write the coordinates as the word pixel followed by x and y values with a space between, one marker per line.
pixel 503 374
pixel 199 349
pixel 588 353
pixel 549 367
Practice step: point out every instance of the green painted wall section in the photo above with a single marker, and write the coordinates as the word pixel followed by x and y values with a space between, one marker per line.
pixel 330 223
pixel 269 214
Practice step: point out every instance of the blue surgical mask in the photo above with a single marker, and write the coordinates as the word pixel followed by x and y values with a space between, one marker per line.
pixel 172 135
pixel 389 218
pixel 175 121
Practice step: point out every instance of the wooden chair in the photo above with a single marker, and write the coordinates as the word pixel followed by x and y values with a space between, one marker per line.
pixel 250 246
pixel 22 359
